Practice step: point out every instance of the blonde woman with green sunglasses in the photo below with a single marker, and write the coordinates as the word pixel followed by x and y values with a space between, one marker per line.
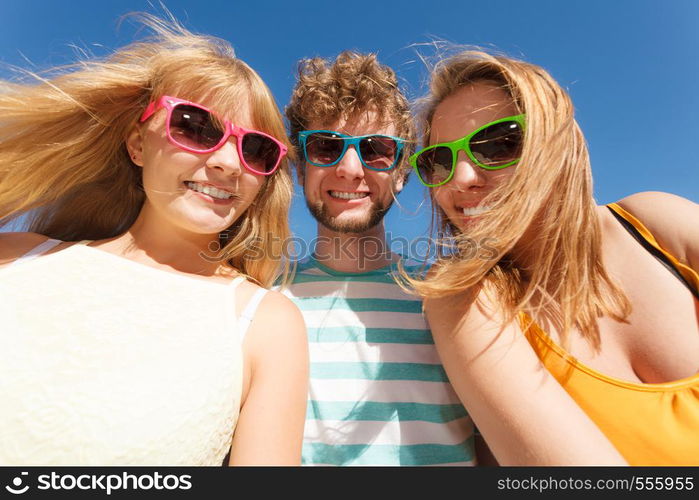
pixel 576 340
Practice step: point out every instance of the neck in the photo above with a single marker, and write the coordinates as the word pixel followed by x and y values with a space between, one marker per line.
pixel 522 254
pixel 353 252
pixel 525 253
pixel 154 241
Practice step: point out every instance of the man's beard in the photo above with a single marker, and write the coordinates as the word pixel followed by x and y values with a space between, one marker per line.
pixel 377 211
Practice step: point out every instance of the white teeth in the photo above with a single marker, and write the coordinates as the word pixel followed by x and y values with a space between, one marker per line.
pixel 348 196
pixel 471 211
pixel 218 194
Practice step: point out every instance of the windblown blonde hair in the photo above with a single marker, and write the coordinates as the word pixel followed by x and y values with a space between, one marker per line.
pixel 549 198
pixel 63 158
pixel 328 91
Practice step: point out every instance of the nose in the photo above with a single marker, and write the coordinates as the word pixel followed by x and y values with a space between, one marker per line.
pixel 226 159
pixel 467 177
pixel 350 166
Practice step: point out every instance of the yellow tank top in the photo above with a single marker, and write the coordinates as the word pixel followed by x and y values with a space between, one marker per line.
pixel 650 424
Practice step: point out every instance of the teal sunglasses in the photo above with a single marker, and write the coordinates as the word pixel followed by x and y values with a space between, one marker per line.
pixel 325 148
pixel 493 146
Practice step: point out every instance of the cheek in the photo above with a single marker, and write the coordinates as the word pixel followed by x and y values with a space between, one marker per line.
pixel 252 184
pixel 155 142
pixel 499 177
pixel 380 182
pixel 442 198
pixel 152 175
pixel 168 165
pixel 312 178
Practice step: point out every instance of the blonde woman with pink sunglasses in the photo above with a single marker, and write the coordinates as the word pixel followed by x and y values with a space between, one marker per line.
pixel 137 327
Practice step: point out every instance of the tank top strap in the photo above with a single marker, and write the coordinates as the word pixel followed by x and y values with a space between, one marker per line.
pixel 36 251
pixel 236 281
pixel 687 276
pixel 249 312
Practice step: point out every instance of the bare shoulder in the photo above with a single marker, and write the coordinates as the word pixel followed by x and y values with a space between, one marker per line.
pixel 275 310
pixel 278 310
pixel 471 310
pixel 272 299
pixel 670 218
pixel 14 245
pixel 277 332
pixel 658 209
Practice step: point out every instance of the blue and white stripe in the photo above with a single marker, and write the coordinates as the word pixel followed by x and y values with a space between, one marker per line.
pixel 378 392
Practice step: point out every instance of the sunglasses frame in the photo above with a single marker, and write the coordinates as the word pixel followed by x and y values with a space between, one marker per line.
pixel 170 103
pixel 464 144
pixel 347 141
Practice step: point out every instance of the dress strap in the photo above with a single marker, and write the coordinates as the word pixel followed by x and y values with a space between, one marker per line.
pixel 36 251
pixel 249 312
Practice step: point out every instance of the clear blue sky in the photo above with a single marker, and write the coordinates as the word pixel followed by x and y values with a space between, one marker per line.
pixel 630 66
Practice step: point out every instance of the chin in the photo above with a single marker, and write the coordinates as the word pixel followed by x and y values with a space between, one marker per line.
pixel 459 224
pixel 352 223
pixel 214 220
pixel 206 226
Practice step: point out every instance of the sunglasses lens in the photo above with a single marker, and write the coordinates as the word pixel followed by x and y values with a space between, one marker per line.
pixel 324 148
pixel 498 144
pixel 435 164
pixel 260 152
pixel 195 128
pixel 378 152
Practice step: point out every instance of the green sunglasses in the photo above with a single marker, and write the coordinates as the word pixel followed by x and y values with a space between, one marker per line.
pixel 493 146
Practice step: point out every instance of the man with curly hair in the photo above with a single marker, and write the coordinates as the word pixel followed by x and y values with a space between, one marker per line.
pixel 378 393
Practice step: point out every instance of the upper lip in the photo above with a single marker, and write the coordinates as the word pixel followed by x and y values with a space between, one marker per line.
pixel 227 189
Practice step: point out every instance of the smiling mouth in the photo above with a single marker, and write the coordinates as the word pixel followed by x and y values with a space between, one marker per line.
pixel 344 195
pixel 473 211
pixel 215 193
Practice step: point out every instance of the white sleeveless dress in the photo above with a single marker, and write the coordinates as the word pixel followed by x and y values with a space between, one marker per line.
pixel 105 361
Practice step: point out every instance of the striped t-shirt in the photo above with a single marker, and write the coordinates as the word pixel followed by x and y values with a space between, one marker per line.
pixel 378 392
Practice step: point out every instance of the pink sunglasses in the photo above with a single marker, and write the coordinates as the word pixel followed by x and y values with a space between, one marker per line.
pixel 196 129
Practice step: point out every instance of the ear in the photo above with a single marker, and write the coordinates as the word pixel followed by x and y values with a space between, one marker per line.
pixel 300 171
pixel 398 183
pixel 134 145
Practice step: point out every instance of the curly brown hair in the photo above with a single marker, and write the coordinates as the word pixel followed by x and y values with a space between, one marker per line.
pixel 327 91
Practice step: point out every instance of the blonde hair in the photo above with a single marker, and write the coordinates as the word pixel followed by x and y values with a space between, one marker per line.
pixel 327 91
pixel 549 197
pixel 63 158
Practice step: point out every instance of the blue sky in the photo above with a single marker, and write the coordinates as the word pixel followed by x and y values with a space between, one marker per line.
pixel 630 65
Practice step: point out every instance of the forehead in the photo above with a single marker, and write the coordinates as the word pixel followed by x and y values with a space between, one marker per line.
pixel 365 122
pixel 230 102
pixel 237 111
pixel 467 109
